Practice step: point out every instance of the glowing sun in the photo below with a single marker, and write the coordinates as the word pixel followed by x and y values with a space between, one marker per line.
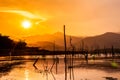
pixel 26 24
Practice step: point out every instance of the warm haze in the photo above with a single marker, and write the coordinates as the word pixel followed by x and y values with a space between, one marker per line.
pixel 59 39
pixel 82 17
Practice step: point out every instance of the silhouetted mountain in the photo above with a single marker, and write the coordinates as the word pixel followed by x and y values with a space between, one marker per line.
pixel 46 45
pixel 105 40
pixel 49 39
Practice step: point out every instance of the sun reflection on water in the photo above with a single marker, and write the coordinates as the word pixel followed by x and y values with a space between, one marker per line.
pixel 26 74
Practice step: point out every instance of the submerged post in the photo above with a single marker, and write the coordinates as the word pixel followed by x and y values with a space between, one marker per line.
pixel 65 54
pixel 55 58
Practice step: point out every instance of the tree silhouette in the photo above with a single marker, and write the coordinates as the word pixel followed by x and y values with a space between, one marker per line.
pixel 20 45
pixel 6 42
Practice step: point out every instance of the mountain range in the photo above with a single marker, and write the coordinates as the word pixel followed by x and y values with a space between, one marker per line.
pixel 49 41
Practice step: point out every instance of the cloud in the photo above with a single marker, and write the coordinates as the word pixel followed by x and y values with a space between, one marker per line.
pixel 23 13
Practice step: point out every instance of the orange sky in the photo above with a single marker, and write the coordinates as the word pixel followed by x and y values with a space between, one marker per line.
pixel 81 17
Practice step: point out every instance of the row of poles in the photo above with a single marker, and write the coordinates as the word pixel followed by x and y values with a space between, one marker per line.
pixel 71 58
pixel 56 61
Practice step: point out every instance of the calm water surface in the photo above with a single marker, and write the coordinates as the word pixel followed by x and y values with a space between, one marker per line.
pixel 42 71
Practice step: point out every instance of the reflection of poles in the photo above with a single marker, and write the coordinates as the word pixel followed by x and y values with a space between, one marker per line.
pixel 56 58
pixel 46 70
pixel 57 61
pixel 35 63
pixel 71 60
pixel 65 54
pixel 70 65
pixel 52 68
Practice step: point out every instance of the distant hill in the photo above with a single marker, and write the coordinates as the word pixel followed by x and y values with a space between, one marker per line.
pixel 107 40
pixel 46 45
pixel 100 41
pixel 48 40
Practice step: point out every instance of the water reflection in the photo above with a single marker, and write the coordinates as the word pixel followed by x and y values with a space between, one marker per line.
pixel 47 70
pixel 26 74
pixel 43 72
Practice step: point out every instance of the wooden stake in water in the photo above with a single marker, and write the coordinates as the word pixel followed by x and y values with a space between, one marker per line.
pixel 56 58
pixel 65 54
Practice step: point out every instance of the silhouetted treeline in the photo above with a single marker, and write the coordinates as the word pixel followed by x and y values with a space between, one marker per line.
pixel 7 43
pixel 20 45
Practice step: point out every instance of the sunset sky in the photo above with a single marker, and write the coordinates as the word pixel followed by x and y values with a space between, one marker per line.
pixel 81 17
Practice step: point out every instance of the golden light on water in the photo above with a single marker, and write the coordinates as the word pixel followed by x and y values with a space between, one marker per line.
pixel 26 75
pixel 26 57
pixel 26 24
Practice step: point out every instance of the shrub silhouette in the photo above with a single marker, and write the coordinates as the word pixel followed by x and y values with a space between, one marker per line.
pixel 6 42
pixel 20 45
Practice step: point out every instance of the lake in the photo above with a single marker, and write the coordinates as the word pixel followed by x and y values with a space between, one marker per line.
pixel 46 69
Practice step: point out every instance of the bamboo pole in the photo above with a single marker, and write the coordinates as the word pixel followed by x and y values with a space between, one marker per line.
pixel 65 54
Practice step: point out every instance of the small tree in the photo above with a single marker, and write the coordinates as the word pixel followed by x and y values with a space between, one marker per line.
pixel 6 42
pixel 20 45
